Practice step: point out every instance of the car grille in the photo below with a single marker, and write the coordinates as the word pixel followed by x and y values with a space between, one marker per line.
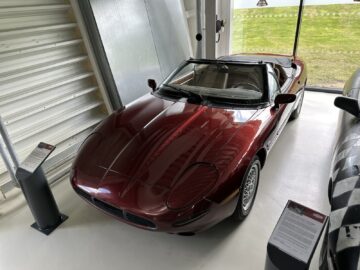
pixel 108 208
pixel 83 194
pixel 116 211
pixel 138 220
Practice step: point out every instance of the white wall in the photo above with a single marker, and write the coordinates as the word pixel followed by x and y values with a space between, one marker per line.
pixel 142 40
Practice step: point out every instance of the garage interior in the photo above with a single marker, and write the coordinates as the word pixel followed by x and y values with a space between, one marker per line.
pixel 67 65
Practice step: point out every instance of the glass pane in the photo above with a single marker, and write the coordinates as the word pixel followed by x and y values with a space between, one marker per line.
pixel 330 43
pixel 184 74
pixel 227 81
pixel 268 29
pixel 273 87
pixel 329 40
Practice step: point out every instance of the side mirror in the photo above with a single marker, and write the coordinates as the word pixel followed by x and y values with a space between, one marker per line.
pixel 284 99
pixel 350 105
pixel 152 84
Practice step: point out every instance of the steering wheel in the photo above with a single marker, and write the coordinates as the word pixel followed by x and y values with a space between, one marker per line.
pixel 250 84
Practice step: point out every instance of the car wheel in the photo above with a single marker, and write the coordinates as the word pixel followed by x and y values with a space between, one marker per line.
pixel 295 114
pixel 248 190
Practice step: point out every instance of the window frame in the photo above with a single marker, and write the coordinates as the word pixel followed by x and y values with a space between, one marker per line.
pixel 271 72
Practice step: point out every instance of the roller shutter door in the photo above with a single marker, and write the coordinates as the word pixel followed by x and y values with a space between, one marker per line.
pixel 48 91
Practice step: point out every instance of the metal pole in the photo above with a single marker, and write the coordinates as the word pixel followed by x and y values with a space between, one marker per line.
pixel 210 25
pixel 8 144
pixel 298 28
pixel 15 161
pixel 199 35
pixel 8 165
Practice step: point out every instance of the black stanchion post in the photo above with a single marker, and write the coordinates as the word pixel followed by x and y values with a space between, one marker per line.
pixel 37 192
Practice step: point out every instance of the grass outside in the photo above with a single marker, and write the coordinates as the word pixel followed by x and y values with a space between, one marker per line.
pixel 329 41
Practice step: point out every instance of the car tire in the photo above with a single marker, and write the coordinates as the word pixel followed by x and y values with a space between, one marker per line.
pixel 295 114
pixel 248 190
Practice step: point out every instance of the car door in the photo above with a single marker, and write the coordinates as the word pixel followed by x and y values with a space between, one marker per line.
pixel 281 114
pixel 274 90
pixel 284 110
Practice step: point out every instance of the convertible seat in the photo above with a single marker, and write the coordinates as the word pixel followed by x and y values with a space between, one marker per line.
pixel 211 79
pixel 243 76
pixel 281 60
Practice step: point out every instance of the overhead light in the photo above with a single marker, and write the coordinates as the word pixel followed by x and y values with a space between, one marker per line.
pixel 263 3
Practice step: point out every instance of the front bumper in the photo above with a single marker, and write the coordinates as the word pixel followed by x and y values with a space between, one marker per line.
pixel 169 221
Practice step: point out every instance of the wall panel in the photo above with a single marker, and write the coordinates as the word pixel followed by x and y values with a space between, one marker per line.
pixel 48 91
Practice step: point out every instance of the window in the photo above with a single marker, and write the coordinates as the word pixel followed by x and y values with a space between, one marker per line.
pixel 241 83
pixel 263 29
pixel 274 88
pixel 329 42
pixel 329 37
pixel 185 74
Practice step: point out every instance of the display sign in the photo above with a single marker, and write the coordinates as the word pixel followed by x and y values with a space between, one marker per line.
pixel 37 157
pixel 298 231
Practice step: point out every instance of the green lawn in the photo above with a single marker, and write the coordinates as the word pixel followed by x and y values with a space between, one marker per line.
pixel 329 41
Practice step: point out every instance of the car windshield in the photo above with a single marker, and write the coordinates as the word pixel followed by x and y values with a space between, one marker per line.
pixel 240 83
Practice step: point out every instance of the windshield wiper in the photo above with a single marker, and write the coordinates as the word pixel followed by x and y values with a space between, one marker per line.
pixel 235 103
pixel 189 94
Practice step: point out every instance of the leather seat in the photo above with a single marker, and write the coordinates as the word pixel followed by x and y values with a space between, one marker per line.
pixel 211 79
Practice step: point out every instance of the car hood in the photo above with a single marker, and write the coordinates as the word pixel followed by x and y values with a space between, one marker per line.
pixel 129 157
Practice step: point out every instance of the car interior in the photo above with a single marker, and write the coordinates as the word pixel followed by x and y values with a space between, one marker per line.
pixel 225 77
pixel 280 74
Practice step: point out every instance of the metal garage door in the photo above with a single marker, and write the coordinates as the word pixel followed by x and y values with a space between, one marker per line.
pixel 48 91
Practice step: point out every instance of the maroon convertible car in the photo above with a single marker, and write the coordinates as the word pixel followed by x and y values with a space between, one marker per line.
pixel 189 155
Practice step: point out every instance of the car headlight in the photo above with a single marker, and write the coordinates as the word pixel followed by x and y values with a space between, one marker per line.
pixel 194 184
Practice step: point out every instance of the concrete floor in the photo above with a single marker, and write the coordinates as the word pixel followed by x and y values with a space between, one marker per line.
pixel 296 169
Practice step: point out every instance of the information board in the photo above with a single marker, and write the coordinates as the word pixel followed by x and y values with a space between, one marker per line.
pixel 298 231
pixel 37 157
